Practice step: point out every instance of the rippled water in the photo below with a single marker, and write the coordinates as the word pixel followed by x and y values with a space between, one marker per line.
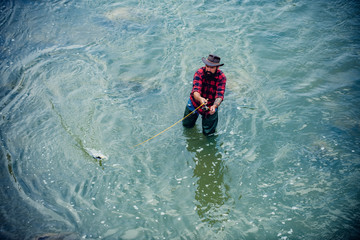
pixel 80 78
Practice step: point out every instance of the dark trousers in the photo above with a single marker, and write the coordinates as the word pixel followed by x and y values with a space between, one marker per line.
pixel 209 122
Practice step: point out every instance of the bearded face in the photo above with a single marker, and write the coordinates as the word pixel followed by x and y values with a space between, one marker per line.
pixel 210 73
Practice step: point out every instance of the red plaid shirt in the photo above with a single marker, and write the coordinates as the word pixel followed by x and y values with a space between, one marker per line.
pixel 210 89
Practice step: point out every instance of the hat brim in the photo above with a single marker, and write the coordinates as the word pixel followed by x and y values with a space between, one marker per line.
pixel 210 63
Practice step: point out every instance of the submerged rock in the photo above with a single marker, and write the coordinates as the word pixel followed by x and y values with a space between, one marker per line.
pixel 121 13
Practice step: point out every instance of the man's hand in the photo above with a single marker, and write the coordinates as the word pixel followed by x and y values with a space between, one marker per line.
pixel 200 99
pixel 216 104
pixel 204 101
pixel 212 109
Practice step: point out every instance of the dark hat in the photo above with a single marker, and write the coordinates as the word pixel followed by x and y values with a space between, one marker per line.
pixel 212 61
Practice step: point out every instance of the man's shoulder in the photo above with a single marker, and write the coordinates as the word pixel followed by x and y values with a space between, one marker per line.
pixel 201 70
pixel 221 74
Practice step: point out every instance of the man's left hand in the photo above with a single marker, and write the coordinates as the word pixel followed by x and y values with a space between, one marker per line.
pixel 212 109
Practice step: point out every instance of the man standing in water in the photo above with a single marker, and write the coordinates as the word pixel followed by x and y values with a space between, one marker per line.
pixel 208 89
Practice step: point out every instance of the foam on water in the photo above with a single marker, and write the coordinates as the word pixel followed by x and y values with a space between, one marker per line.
pixel 83 82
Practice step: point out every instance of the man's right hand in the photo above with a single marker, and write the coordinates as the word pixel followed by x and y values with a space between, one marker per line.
pixel 204 101
pixel 200 99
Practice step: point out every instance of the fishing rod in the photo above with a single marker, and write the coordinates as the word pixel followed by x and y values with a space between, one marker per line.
pixel 169 127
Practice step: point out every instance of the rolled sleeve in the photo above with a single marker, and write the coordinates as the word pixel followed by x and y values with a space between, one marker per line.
pixel 197 83
pixel 220 90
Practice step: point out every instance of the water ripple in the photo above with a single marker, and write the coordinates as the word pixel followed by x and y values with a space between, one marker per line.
pixel 81 80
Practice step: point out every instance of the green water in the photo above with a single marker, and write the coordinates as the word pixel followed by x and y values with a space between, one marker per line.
pixel 80 78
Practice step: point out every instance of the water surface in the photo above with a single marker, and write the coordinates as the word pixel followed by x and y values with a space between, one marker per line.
pixel 85 77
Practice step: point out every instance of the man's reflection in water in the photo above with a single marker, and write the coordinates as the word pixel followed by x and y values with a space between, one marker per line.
pixel 211 193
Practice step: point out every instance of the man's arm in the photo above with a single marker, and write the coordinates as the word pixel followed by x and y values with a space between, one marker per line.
pixel 219 93
pixel 216 104
pixel 199 99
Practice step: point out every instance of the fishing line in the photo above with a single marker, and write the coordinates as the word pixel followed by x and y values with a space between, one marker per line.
pixel 169 127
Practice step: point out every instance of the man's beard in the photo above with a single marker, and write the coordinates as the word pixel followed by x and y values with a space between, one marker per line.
pixel 209 75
